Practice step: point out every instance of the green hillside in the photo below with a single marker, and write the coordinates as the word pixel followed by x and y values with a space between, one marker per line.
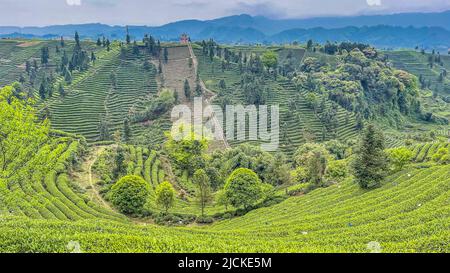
pixel 86 157
pixel 433 75
pixel 409 213
pixel 419 64
pixel 296 120
pixel 93 97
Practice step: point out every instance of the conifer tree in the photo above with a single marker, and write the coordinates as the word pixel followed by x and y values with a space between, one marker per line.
pixel 61 90
pixel 370 163
pixel 77 41
pixel 187 89
pixel 128 37
pixel 126 130
pixel 166 55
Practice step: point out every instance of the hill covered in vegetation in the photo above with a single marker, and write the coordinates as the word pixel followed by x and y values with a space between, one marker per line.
pixel 88 163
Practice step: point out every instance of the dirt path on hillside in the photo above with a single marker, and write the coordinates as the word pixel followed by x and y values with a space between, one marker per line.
pixel 209 98
pixel 86 177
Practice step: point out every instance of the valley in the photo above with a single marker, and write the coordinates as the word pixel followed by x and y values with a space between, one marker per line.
pixel 87 155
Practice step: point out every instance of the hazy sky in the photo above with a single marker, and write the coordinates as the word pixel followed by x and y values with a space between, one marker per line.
pixel 149 12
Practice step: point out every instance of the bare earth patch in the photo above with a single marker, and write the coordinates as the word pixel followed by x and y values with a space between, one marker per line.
pixel 28 44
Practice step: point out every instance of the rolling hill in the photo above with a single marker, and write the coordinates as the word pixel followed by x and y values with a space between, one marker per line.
pixel 405 30
pixel 60 199
pixel 409 213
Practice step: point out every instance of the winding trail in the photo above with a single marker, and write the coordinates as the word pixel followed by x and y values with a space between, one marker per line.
pixel 87 166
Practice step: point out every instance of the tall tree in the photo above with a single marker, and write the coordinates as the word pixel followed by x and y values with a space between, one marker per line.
pixel 317 167
pixel 166 55
pixel 93 57
pixel 187 89
pixel 103 128
pixel 128 37
pixel 370 162
pixel 45 55
pixel 42 91
pixel 309 45
pixel 126 129
pixel 77 41
pixel 201 180
pixel 120 162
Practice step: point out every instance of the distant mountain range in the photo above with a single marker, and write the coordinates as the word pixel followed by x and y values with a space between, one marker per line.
pixel 407 30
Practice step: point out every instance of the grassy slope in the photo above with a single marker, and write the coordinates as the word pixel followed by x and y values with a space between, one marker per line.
pixel 409 213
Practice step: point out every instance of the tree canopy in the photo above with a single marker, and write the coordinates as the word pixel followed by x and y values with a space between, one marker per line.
pixel 130 194
pixel 243 188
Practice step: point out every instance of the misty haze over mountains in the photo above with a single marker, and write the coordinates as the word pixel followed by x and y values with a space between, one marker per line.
pixel 427 30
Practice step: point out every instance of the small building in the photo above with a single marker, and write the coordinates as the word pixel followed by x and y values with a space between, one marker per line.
pixel 184 38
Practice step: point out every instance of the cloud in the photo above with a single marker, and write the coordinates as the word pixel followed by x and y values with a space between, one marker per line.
pixel 263 8
pixel 374 2
pixel 73 2
pixel 157 12
pixel 102 3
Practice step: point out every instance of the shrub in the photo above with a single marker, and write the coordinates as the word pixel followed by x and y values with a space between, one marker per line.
pixel 243 188
pixel 165 195
pixel 442 156
pixel 337 170
pixel 205 220
pixel 399 157
pixel 299 175
pixel 130 194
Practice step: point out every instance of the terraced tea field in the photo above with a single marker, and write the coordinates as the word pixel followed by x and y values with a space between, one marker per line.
pixel 92 97
pixel 49 192
pixel 15 53
pixel 409 213
pixel 296 119
pixel 418 64
pixel 424 152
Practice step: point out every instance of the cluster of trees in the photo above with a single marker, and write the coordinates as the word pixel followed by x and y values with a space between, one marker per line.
pixel 362 83
pixel 319 165
pixel 65 66
pixel 255 90
pixel 245 176
pixel 80 58
pixel 152 45
pixel 335 48
pixel 212 49
pixel 47 86
pixel 215 172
